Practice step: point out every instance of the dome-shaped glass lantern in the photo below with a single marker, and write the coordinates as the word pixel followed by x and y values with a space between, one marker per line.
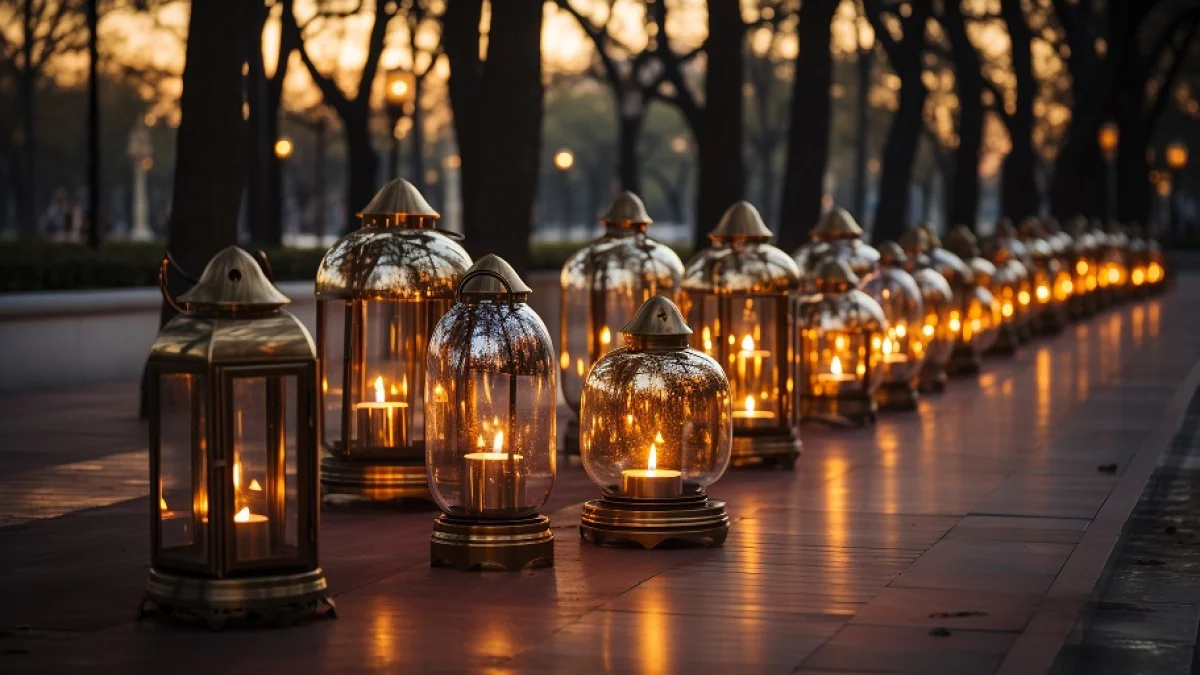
pixel 490 396
pixel 1084 265
pixel 233 451
pixel 938 301
pixel 970 318
pixel 738 296
pixel 1104 295
pixel 983 314
pixel 603 284
pixel 1156 268
pixel 1008 277
pixel 903 347
pixel 1052 283
pixel 1115 262
pixel 840 348
pixel 380 291
pixel 1138 262
pixel 836 235
pixel 655 431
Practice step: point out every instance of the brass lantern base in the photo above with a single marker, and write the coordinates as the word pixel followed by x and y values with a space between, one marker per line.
pixel 964 361
pixel 897 396
pixel 279 599
pixel 691 520
pixel 375 481
pixel 773 450
pixel 467 544
pixel 932 379
pixel 846 411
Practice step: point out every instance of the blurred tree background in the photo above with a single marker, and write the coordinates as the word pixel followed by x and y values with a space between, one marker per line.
pixel 520 119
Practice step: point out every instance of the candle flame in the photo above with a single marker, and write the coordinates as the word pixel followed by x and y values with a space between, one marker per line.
pixel 162 504
pixel 237 474
pixel 242 516
pixel 750 404
pixel 394 390
pixel 479 442
pixel 254 486
pixel 1043 293
pixel 380 397
pixel 652 463
pixel 748 343
pixel 1081 267
pixel 928 330
pixel 835 366
pixel 605 336
pixel 658 438
pixel 901 331
pixel 404 386
pixel 498 444
pixel 887 347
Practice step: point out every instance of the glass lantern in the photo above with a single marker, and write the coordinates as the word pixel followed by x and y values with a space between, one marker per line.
pixel 836 235
pixel 903 347
pixel 380 291
pixel 1156 268
pixel 1052 283
pixel 232 383
pixel 1139 263
pixel 972 306
pixel 840 345
pixel 1114 264
pixel 738 295
pixel 937 298
pixel 490 393
pixel 1006 279
pixel 1007 237
pixel 983 313
pixel 603 284
pixel 656 428
pixel 1082 261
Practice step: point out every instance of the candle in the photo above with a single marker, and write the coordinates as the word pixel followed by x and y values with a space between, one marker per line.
pixel 175 526
pixel 383 423
pixel 891 353
pixel 253 535
pixel 651 482
pixel 835 373
pixel 750 413
pixel 494 481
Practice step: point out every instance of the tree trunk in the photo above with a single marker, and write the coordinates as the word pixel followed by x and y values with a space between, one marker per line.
pixel 629 131
pixel 862 131
pixel 259 144
pixel 95 221
pixel 963 188
pixel 722 175
pixel 27 192
pixel 362 165
pixel 808 133
pixel 416 160
pixel 899 151
pixel 460 40
pixel 1018 190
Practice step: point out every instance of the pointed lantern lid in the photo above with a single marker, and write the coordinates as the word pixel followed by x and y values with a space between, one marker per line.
pixel 835 275
pixel 962 242
pixel 395 203
pixel 932 238
pixel 914 241
pixel 741 221
pixel 233 281
pixel 483 280
pixel 837 224
pixel 658 317
pixel 626 211
pixel 892 255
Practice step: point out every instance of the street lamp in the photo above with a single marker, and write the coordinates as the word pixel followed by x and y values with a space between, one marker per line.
pixel 564 159
pixel 1108 138
pixel 284 148
pixel 1176 155
pixel 399 94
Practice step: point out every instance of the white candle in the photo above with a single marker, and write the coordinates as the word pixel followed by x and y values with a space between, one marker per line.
pixel 493 480
pixel 651 482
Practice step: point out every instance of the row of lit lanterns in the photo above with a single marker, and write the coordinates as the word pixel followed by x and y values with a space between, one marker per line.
pixel 437 380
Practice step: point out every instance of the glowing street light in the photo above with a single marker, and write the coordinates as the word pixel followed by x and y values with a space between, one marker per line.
pixel 564 160
pixel 1108 138
pixel 284 148
pixel 1176 155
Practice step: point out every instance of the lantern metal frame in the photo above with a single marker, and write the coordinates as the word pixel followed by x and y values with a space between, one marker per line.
pixel 1082 263
pixel 836 235
pixel 1047 273
pixel 399 269
pixel 674 509
pixel 587 290
pixel 938 299
pixel 1115 262
pixel 965 356
pixel 1005 284
pixel 889 285
pixel 742 269
pixel 982 332
pixel 515 535
pixel 231 327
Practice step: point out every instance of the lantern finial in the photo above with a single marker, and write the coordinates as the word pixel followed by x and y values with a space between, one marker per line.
pixel 233 281
pixel 626 210
pixel 657 317
pixel 741 221
pixel 962 242
pixel 891 254
pixel 835 274
pixel 837 224
pixel 914 241
pixel 395 201
pixel 492 275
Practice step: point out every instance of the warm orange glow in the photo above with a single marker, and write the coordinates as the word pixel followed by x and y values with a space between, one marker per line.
pixel 1007 309
pixel 1138 276
pixel 1023 297
pixel 162 504
pixel 748 344
pixel 380 396
pixel 498 443
pixel 564 160
pixel 254 486
pixel 901 331
pixel 242 516
pixel 283 148
pixel 605 336
pixel 398 89
pixel 835 366
pixel 749 404
pixel 887 347
pixel 1043 293
pixel 1155 273
pixel 1109 137
pixel 652 463
pixel 928 330
pixel 1114 275
pixel 1081 267
pixel 955 323
pixel 1176 155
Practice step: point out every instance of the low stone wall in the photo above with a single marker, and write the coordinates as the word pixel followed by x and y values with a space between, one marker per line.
pixel 70 338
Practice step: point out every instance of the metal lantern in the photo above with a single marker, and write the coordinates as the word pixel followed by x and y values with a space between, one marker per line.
pixel 938 300
pixel 1052 283
pixel 836 235
pixel 737 295
pixel 903 345
pixel 233 451
pixel 656 428
pixel 1139 262
pixel 1156 268
pixel 1006 279
pixel 380 291
pixel 1115 262
pixel 490 397
pixel 983 314
pixel 840 348
pixel 971 306
pixel 1083 262
pixel 603 284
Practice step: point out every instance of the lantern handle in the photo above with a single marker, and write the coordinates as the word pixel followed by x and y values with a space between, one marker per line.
pixel 167 262
pixel 484 273
pixel 261 256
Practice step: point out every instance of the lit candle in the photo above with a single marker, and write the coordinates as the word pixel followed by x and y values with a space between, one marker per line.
pixel 652 482
pixel 494 482
pixel 253 534
pixel 750 413
pixel 892 353
pixel 835 373
pixel 383 423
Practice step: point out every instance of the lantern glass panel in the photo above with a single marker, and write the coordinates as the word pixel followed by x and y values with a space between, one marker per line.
pixel 903 346
pixel 840 362
pixel 491 404
pixel 263 480
pixel 747 333
pixel 182 482
pixel 656 410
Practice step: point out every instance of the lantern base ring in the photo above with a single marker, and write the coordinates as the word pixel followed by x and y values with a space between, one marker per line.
pixel 691 520
pixel 466 543
pixel 377 481
pixel 897 396
pixel 765 450
pixel 279 599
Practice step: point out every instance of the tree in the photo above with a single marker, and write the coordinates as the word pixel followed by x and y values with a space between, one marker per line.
pixel 963 190
pixel 497 106
pixel 1018 189
pixel 808 133
pixel 905 54
pixel 722 174
pixel 264 94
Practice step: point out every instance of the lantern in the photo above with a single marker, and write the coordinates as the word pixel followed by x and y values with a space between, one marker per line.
pixel 1007 279
pixel 836 235
pixel 1139 263
pixel 1104 264
pixel 380 291
pixel 1052 283
pixel 655 431
pixel 840 348
pixel 903 348
pixel 1083 262
pixel 966 322
pixel 937 298
pixel 490 399
pixel 983 314
pixel 1115 265
pixel 602 286
pixel 1156 269
pixel 737 294
pixel 233 452
pixel 1007 237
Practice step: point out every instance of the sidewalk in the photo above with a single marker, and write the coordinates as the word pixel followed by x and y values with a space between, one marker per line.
pixel 964 538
